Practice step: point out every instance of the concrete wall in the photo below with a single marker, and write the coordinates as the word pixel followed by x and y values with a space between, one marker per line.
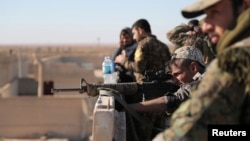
pixel 69 70
pixel 53 117
pixel 8 75
pixel 9 69
pixel 9 89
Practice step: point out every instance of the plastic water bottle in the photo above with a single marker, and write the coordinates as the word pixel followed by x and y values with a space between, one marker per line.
pixel 108 71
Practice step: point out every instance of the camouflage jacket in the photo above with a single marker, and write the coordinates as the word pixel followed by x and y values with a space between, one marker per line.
pixel 179 37
pixel 173 100
pixel 222 97
pixel 150 54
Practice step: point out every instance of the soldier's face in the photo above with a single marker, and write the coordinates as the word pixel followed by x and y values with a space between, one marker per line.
pixel 218 18
pixel 126 40
pixel 137 34
pixel 182 74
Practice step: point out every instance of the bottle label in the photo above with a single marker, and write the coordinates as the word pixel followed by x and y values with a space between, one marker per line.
pixel 107 70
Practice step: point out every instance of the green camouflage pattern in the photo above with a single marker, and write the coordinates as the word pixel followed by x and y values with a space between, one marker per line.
pixel 180 38
pixel 222 97
pixel 150 54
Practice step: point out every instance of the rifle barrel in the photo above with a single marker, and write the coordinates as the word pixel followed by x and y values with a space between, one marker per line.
pixel 66 90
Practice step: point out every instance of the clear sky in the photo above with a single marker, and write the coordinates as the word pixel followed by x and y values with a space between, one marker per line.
pixel 83 21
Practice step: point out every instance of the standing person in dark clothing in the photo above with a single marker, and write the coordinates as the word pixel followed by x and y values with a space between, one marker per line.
pixel 127 47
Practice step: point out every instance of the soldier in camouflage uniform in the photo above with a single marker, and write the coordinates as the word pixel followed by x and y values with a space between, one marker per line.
pixel 222 97
pixel 190 35
pixel 151 54
pixel 187 67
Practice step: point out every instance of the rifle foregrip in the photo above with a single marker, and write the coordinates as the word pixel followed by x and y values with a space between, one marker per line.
pixel 123 88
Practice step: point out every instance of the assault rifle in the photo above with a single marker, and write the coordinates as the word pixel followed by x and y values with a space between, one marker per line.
pixel 155 85
pixel 144 90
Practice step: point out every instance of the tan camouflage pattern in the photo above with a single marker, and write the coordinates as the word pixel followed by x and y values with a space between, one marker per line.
pixel 189 52
pixel 150 54
pixel 219 99
pixel 179 38
pixel 178 35
pixel 222 97
pixel 197 8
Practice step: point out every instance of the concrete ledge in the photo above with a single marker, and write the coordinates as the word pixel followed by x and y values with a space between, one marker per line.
pixel 108 123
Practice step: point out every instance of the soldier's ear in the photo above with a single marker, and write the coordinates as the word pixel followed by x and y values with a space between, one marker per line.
pixel 194 66
pixel 141 31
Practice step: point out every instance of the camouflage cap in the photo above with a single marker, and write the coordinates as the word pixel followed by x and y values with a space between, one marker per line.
pixel 189 52
pixel 196 9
